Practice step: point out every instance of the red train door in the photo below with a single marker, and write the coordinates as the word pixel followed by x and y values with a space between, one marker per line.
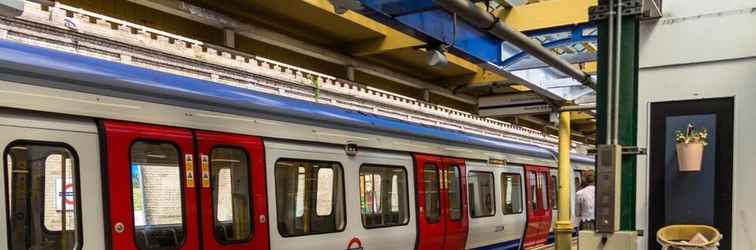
pixel 231 179
pixel 442 214
pixel 539 210
pixel 455 189
pixel 151 190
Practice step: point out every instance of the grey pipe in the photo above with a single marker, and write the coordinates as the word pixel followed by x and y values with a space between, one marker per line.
pixel 481 19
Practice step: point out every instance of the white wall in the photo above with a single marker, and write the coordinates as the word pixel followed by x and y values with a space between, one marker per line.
pixel 704 49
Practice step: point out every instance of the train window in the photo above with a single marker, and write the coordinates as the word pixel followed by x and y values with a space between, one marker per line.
pixel 43 205
pixel 231 194
pixel 324 205
pixel 307 197
pixel 553 192
pixel 454 193
pixel 156 195
pixel 383 196
pixel 431 183
pixel 511 190
pixel 481 186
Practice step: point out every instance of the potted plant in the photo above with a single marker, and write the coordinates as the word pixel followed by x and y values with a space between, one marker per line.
pixel 690 146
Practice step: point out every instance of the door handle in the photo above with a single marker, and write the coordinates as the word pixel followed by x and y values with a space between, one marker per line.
pixel 499 228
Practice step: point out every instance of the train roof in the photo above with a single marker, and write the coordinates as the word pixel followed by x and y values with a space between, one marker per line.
pixel 57 69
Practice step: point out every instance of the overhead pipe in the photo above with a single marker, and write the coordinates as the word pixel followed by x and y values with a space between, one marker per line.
pixel 481 19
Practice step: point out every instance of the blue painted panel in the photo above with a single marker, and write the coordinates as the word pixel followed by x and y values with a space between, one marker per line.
pixel 691 198
pixel 440 25
pixel 425 20
pixel 39 66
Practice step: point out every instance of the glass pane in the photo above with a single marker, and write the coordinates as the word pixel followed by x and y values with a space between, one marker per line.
pixel 42 197
pixel 325 192
pixel 156 194
pixel 481 186
pixel 432 196
pixel 512 194
pixel 543 204
pixel 231 194
pixel 532 190
pixel 376 194
pixel 455 197
pixel 306 197
pixel 552 188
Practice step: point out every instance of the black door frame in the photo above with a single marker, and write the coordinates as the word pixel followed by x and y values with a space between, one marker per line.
pixel 724 109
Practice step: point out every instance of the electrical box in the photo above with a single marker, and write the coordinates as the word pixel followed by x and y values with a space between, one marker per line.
pixel 608 177
pixel 11 8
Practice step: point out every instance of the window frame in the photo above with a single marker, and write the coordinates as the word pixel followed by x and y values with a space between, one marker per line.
pixel 79 238
pixel 503 195
pixel 406 194
pixel 344 223
pixel 493 193
pixel 182 183
pixel 249 188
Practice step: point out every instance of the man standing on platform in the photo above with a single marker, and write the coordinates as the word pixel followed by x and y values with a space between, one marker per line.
pixel 586 198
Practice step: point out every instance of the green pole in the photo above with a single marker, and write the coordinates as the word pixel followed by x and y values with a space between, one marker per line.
pixel 628 106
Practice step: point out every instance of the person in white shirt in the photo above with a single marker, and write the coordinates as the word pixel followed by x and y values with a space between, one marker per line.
pixel 585 199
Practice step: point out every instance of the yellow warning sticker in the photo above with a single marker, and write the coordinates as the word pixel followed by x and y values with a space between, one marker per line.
pixel 189 169
pixel 205 171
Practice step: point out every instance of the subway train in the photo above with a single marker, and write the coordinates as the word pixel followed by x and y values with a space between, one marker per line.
pixel 103 155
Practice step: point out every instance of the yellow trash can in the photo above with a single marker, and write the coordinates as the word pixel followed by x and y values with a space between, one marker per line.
pixel 677 237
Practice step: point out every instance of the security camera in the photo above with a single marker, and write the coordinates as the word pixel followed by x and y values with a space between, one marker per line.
pixel 436 58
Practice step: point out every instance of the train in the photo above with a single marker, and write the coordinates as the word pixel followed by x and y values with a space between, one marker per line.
pixel 103 155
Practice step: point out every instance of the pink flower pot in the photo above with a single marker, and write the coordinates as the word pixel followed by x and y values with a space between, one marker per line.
pixel 689 156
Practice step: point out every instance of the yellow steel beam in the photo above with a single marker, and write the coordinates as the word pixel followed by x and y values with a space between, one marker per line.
pixel 576 116
pixel 547 14
pixel 588 67
pixel 390 39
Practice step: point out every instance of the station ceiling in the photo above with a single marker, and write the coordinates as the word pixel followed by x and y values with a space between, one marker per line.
pixel 366 39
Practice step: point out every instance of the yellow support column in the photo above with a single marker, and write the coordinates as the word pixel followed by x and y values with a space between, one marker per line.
pixel 563 227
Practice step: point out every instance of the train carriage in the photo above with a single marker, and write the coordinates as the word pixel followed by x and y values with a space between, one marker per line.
pixel 101 155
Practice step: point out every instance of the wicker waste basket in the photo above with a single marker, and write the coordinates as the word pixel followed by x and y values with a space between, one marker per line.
pixel 676 237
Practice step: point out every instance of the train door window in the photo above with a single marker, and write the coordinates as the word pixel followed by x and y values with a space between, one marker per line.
pixel 512 200
pixel 431 182
pixel 231 194
pixel 383 196
pixel 309 197
pixel 541 191
pixel 553 192
pixel 481 186
pixel 533 193
pixel 156 194
pixel 454 193
pixel 43 204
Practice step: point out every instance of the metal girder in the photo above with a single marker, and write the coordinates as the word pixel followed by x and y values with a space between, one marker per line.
pixel 11 8
pixel 392 40
pixel 214 19
pixel 547 14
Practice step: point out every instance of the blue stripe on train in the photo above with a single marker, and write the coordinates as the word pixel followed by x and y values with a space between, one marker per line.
pixel 506 245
